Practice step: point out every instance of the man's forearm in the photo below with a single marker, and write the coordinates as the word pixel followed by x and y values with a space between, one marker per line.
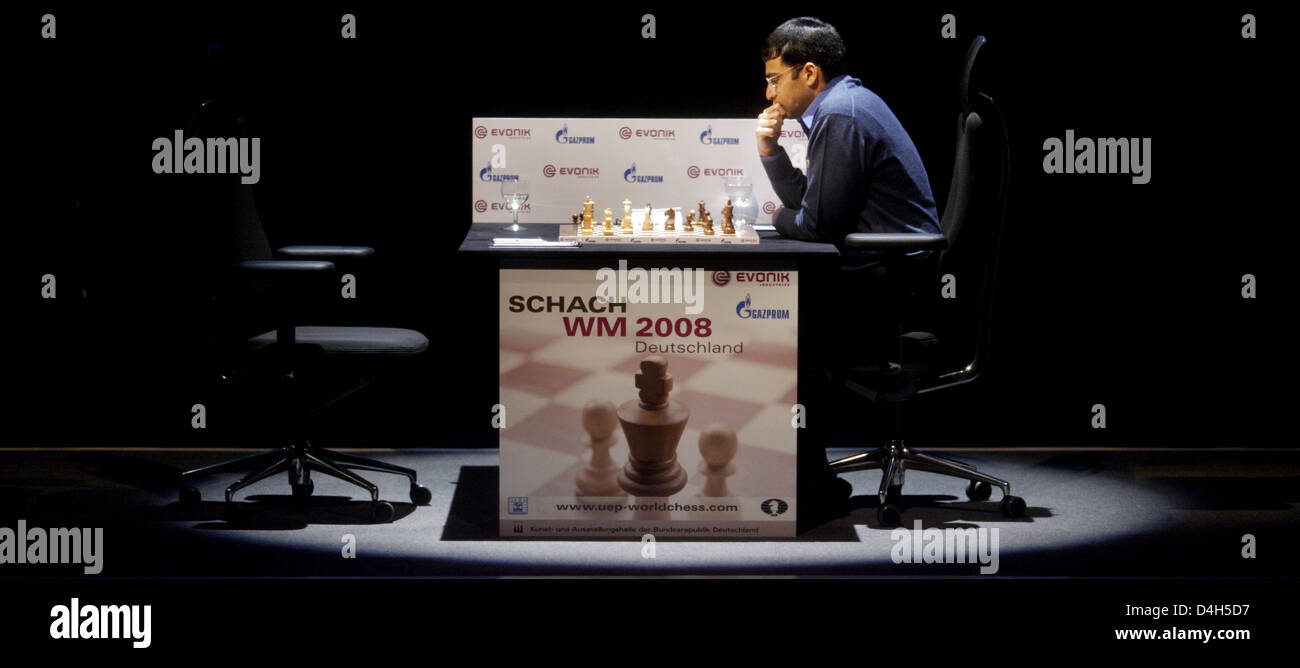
pixel 788 182
pixel 786 221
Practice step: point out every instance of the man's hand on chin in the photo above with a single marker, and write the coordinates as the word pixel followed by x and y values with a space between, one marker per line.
pixel 768 131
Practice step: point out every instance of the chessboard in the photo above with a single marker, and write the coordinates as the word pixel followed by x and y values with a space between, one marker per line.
pixel 648 225
pixel 546 380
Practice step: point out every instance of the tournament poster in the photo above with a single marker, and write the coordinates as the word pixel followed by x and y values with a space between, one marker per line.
pixel 579 350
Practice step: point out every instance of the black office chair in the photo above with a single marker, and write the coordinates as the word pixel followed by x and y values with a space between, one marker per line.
pixel 303 369
pixel 912 364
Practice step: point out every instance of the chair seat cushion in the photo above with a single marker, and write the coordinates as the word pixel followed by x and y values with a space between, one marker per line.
pixel 353 341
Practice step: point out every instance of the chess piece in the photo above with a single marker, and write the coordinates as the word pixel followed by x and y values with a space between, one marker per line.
pixel 627 216
pixel 670 224
pixel 708 225
pixel 609 222
pixel 588 213
pixel 647 225
pixel 718 448
pixel 690 218
pixel 599 475
pixel 652 425
pixel 699 215
pixel 728 226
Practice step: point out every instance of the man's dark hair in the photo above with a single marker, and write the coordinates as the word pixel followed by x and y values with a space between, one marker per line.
pixel 807 40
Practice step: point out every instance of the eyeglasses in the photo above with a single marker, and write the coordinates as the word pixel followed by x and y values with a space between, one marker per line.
pixel 771 81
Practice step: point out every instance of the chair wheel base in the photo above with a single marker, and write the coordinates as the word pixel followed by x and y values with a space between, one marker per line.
pixel 382 511
pixel 420 495
pixel 978 490
pixel 190 496
pixel 1013 506
pixel 893 495
pixel 889 515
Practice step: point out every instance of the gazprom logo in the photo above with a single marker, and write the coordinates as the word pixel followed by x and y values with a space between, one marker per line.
pixel 562 137
pixel 487 176
pixel 745 311
pixel 631 177
pixel 708 139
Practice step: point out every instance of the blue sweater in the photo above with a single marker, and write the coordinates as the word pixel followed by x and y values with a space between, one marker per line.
pixel 864 174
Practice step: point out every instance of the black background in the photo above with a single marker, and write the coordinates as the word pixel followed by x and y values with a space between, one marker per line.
pixel 1113 293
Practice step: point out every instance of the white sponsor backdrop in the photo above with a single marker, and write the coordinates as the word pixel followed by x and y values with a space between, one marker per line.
pixel 663 162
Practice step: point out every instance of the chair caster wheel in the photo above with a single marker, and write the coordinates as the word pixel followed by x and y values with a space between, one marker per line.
pixel 234 513
pixel 842 489
pixel 382 511
pixel 894 494
pixel 420 495
pixel 889 515
pixel 190 496
pixel 978 490
pixel 301 493
pixel 1013 506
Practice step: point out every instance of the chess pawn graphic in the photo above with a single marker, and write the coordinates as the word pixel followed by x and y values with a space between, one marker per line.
pixel 627 216
pixel 708 225
pixel 647 225
pixel 609 222
pixel 652 425
pixel 599 475
pixel 718 448
pixel 689 226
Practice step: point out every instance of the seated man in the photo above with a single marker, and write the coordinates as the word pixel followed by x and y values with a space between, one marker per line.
pixel 864 175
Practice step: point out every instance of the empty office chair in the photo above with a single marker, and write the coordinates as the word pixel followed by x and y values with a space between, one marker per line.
pixel 913 366
pixel 302 369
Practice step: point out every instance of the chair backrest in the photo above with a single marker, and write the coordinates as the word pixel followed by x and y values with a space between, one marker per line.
pixel 235 210
pixel 969 123
pixel 972 223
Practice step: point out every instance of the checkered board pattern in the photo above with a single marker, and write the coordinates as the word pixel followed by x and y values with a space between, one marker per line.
pixel 545 379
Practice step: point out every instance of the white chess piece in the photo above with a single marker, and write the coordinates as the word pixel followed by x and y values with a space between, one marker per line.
pixel 599 476
pixel 718 447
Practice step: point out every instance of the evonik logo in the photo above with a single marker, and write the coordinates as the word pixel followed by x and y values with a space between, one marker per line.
pixel 626 133
pixel 482 132
pixel 708 139
pixel 695 171
pixel 551 171
pixel 563 137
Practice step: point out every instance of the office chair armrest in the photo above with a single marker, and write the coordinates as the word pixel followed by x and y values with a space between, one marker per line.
pixel 285 268
pixel 325 252
pixel 906 242
pixel 288 278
